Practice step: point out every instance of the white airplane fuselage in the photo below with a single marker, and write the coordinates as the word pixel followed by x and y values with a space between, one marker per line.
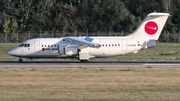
pixel 50 47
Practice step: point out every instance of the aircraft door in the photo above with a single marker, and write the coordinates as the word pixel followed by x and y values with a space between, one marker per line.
pixel 36 46
pixel 124 45
pixel 61 50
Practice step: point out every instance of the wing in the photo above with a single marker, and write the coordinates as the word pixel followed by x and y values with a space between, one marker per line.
pixel 83 42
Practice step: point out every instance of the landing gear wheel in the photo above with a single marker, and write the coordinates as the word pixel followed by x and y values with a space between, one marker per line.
pixel 20 60
pixel 84 61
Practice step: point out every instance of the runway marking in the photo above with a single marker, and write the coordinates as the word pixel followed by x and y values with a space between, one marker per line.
pixel 162 64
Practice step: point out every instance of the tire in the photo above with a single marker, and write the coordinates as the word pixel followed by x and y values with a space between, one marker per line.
pixel 20 60
pixel 84 61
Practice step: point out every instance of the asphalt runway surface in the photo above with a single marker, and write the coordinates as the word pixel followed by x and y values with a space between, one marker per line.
pixel 91 64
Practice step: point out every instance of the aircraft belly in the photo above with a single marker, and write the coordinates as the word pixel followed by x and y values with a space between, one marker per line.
pixel 106 52
pixel 43 54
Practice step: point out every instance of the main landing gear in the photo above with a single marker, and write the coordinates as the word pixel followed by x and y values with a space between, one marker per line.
pixel 84 61
pixel 20 60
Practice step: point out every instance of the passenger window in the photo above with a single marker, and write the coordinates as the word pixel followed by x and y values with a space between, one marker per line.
pixel 106 45
pixel 103 45
pixel 42 45
pixel 118 44
pixel 51 45
pixel 115 44
pixel 54 45
pixel 45 45
pixel 112 45
pixel 57 45
pixel 109 44
pixel 48 45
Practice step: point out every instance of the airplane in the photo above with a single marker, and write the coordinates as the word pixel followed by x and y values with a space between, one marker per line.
pixel 85 48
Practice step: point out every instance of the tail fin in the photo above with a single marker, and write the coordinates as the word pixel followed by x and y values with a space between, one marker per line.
pixel 151 27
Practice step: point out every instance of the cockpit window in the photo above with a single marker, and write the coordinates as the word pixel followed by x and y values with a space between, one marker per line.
pixel 24 45
pixel 21 45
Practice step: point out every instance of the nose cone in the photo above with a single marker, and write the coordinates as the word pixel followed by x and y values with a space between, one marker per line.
pixel 11 52
pixel 15 52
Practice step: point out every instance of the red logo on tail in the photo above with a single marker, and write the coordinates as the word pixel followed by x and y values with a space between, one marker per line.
pixel 151 28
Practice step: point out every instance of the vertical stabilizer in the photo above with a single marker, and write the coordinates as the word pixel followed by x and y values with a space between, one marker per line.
pixel 151 27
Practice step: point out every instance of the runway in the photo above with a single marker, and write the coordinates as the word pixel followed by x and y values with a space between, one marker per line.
pixel 91 64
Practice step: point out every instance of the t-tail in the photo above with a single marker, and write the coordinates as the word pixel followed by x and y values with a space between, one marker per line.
pixel 151 27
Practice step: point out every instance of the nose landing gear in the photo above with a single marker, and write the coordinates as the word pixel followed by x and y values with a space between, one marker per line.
pixel 20 60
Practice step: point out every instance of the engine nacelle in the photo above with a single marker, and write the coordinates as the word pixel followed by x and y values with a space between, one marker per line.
pixel 70 51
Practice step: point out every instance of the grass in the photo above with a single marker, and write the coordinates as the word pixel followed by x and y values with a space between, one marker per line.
pixel 161 52
pixel 54 84
pixel 5 48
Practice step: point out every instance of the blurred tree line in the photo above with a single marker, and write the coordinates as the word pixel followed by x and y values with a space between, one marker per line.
pixel 84 15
